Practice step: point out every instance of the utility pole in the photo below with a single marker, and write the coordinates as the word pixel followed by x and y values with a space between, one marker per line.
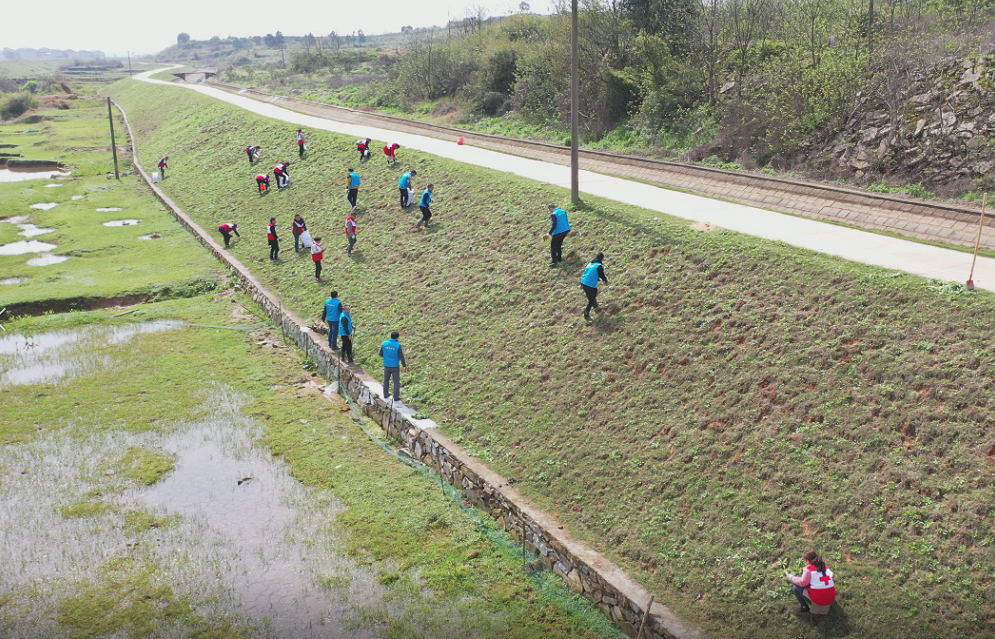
pixel 110 118
pixel 574 105
pixel 129 64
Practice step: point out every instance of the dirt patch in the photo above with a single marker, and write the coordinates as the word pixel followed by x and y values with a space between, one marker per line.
pixel 41 307
pixel 706 227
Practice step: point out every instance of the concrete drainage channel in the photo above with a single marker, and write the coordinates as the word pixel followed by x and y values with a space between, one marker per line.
pixel 585 570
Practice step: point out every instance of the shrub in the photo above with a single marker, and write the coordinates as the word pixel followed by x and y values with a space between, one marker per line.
pixel 16 105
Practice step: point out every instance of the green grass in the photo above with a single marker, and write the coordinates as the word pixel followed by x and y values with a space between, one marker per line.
pixel 105 261
pixel 30 68
pixel 739 400
pixel 144 466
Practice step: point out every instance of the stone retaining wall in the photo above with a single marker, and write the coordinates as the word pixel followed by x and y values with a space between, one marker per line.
pixel 585 570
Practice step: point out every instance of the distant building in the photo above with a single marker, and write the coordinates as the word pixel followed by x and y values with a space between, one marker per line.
pixel 196 76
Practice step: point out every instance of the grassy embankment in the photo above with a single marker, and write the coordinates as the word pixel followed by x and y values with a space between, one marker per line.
pixel 438 565
pixel 738 401
pixel 104 261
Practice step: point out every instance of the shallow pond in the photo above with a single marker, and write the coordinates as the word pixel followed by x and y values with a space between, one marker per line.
pixel 6 175
pixel 47 260
pixel 25 246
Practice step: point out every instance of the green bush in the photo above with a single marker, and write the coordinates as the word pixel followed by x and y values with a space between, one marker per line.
pixel 16 105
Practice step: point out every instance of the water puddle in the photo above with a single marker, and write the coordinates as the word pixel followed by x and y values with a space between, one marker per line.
pixel 251 541
pixel 107 209
pixel 13 280
pixel 6 175
pixel 51 356
pixel 25 246
pixel 150 236
pixel 77 197
pixel 47 260
pixel 53 186
pixel 44 206
pixel 27 230
pixel 122 222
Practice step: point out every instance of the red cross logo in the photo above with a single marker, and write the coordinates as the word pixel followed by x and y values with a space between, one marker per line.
pixel 825 579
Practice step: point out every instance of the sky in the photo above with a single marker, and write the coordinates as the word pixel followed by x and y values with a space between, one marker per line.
pixel 148 26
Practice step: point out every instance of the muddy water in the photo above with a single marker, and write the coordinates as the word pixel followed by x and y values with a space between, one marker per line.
pixel 260 531
pixel 51 356
pixel 251 543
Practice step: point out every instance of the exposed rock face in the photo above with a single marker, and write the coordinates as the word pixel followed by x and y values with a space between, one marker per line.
pixel 941 133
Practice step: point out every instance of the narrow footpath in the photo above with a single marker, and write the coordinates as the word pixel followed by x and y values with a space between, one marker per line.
pixel 847 243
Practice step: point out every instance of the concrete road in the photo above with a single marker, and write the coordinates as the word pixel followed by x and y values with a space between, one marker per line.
pixel 851 244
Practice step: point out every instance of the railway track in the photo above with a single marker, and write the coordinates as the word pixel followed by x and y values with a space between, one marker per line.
pixel 940 222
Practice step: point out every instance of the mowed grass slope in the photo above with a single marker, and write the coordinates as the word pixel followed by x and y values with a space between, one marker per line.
pixel 738 402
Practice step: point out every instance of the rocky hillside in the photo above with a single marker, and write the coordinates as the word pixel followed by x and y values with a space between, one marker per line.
pixel 939 130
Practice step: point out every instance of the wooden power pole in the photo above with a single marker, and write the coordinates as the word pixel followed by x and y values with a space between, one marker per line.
pixel 574 106
pixel 110 118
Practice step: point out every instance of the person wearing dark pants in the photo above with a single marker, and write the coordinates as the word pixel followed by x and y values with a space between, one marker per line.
pixel 350 234
pixel 352 186
pixel 393 360
pixel 346 330
pixel 253 152
pixel 226 230
pixel 331 313
pixel 296 228
pixel 282 175
pixel 594 273
pixel 403 185
pixel 559 226
pixel 424 204
pixel 301 146
pixel 317 253
pixel 274 241
pixel 163 165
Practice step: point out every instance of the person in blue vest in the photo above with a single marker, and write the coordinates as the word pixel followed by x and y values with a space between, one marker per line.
pixel 393 360
pixel 403 187
pixel 346 330
pixel 352 186
pixel 594 273
pixel 424 204
pixel 559 226
pixel 331 312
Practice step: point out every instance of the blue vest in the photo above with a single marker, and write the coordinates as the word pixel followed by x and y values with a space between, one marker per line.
pixel 426 198
pixel 590 276
pixel 562 223
pixel 353 180
pixel 405 181
pixel 333 309
pixel 391 352
pixel 345 320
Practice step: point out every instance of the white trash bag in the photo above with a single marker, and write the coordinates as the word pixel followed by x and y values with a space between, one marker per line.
pixel 306 240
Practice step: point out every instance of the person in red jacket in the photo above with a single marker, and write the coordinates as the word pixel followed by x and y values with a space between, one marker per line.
pixel 226 230
pixel 390 150
pixel 262 183
pixel 274 241
pixel 317 253
pixel 163 165
pixel 282 175
pixel 815 585
pixel 301 144
pixel 297 227
pixel 363 146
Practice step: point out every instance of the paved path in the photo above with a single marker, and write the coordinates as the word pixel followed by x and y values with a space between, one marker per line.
pixel 852 244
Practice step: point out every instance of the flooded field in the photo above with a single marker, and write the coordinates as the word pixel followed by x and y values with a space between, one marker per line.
pixel 7 175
